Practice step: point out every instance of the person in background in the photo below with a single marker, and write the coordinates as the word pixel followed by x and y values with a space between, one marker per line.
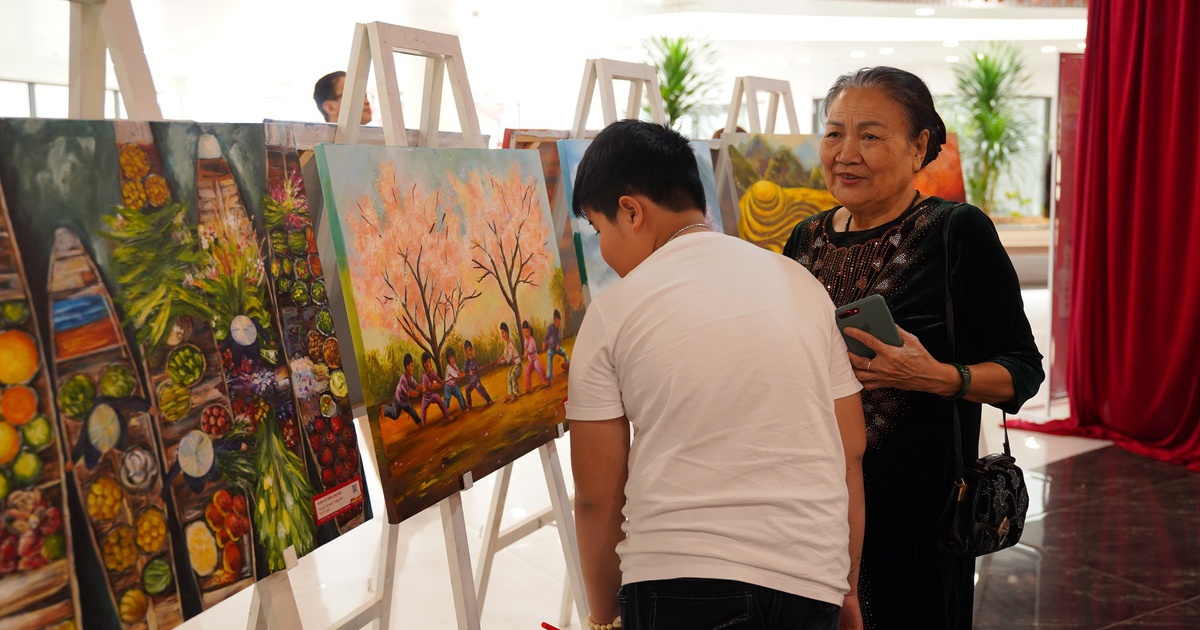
pixel 739 502
pixel 886 238
pixel 328 95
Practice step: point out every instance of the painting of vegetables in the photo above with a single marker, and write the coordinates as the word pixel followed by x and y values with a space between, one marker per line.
pixel 186 397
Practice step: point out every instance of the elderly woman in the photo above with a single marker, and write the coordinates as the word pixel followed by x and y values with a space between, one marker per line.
pixel 888 239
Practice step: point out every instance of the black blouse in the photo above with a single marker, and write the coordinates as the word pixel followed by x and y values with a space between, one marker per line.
pixel 909 461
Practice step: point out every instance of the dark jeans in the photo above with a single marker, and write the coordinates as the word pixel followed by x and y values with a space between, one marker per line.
pixel 701 604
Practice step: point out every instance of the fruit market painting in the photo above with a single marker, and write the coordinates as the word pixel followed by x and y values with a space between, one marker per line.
pixel 448 263
pixel 169 368
pixel 599 276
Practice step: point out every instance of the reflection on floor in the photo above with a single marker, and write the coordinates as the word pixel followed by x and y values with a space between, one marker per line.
pixel 1112 543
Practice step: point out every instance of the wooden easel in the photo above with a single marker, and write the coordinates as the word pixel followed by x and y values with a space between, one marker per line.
pixel 96 26
pixel 597 74
pixel 746 92
pixel 375 45
pixel 602 74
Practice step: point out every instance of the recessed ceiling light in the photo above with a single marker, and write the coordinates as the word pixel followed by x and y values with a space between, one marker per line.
pixel 858 54
pixel 950 43
pixel 887 51
pixel 979 55
pixel 804 59
pixel 1049 49
pixel 925 11
pixel 952 59
pixel 1081 45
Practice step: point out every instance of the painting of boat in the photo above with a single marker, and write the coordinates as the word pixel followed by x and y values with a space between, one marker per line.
pixel 109 434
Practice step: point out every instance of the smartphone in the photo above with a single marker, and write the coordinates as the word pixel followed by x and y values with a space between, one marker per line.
pixel 870 315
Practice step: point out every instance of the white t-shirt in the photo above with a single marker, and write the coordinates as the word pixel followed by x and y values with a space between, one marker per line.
pixel 726 359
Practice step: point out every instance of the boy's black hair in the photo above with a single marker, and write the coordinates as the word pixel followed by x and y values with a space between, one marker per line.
pixel 635 157
pixel 467 346
pixel 323 91
pixel 557 315
pixel 425 356
pixel 525 324
pixel 450 353
pixel 408 360
pixel 504 326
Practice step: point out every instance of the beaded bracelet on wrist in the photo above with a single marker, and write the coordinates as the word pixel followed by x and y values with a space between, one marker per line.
pixel 964 372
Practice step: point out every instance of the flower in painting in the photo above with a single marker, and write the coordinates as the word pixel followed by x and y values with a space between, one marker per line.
pixel 157 191
pixel 133 194
pixel 308 378
pixel 134 162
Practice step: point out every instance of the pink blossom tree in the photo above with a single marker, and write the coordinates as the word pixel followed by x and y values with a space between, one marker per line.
pixel 412 258
pixel 506 230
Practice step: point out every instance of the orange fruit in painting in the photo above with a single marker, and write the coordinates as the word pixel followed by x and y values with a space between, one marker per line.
pixel 18 357
pixel 10 443
pixel 19 404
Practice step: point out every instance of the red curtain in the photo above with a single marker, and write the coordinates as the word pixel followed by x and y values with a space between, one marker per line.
pixel 1134 360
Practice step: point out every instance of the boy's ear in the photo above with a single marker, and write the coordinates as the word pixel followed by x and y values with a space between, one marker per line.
pixel 631 209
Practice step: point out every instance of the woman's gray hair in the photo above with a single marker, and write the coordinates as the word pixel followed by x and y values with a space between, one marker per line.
pixel 909 92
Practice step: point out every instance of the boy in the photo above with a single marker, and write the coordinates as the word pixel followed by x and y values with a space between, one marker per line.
pixel 553 345
pixel 452 388
pixel 763 515
pixel 473 375
pixel 406 391
pixel 430 384
pixel 511 357
pixel 531 358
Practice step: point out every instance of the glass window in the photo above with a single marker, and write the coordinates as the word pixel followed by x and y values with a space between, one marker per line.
pixel 14 99
pixel 51 101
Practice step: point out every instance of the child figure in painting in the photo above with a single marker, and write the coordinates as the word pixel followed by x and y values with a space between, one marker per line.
pixel 512 358
pixel 553 345
pixel 531 358
pixel 473 374
pixel 452 388
pixel 430 384
pixel 406 391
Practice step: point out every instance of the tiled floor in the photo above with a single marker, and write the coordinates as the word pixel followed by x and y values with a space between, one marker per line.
pixel 1112 543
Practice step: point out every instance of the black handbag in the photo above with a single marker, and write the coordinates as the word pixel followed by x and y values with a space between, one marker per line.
pixel 988 500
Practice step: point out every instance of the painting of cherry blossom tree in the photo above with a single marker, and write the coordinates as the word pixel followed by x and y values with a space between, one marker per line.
pixel 446 260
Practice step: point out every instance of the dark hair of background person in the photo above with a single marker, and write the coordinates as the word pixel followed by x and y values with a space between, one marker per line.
pixel 635 157
pixel 909 91
pixel 323 91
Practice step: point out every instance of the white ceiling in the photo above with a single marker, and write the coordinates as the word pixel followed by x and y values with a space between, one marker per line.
pixel 243 60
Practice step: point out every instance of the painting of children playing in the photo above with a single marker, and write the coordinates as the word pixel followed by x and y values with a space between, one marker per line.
pixel 453 287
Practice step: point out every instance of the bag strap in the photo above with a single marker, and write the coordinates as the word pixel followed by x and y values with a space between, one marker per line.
pixel 958 458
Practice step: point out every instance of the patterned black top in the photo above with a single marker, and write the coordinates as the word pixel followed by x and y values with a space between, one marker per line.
pixel 908 466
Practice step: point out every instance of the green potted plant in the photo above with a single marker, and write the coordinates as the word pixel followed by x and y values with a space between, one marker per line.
pixel 687 76
pixel 992 130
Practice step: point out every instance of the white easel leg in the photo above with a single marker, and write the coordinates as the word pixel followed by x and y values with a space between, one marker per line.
pixel 454 527
pixel 564 518
pixel 487 553
pixel 274 603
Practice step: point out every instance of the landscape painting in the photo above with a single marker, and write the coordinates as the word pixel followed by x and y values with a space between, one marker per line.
pixel 449 267
pixel 779 181
pixel 546 144
pixel 597 275
pixel 193 394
